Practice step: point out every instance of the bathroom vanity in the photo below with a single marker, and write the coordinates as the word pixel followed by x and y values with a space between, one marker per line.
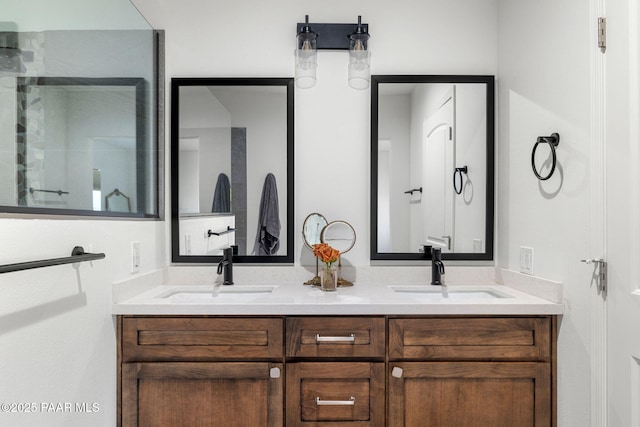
pixel 363 356
pixel 395 371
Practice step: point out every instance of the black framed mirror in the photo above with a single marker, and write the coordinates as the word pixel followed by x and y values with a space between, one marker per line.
pixel 232 169
pixel 432 166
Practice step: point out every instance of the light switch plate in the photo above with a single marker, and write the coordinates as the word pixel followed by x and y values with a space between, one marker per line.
pixel 526 260
pixel 135 257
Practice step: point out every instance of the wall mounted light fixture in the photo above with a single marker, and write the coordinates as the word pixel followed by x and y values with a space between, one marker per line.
pixel 352 37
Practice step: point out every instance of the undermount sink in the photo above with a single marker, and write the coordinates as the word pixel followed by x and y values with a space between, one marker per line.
pixel 422 292
pixel 218 294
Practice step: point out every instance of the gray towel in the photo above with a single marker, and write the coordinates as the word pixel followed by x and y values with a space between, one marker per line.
pixel 222 195
pixel 268 236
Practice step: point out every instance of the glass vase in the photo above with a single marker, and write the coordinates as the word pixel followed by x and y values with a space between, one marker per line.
pixel 329 279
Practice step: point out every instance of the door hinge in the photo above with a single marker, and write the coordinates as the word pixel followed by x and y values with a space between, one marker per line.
pixel 450 133
pixel 600 274
pixel 602 33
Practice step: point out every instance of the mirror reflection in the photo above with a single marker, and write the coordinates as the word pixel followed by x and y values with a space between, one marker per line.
pixel 339 235
pixel 79 140
pixel 117 201
pixel 432 166
pixel 232 171
pixel 80 115
pixel 312 228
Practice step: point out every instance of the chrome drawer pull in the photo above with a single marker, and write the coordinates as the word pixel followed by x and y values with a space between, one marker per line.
pixel 349 338
pixel 350 402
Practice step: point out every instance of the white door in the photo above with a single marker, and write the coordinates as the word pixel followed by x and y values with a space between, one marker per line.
pixel 437 174
pixel 622 212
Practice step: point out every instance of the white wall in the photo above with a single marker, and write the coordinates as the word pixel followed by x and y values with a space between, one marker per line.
pixel 57 335
pixel 56 332
pixel 544 87
pixel 331 120
pixel 64 350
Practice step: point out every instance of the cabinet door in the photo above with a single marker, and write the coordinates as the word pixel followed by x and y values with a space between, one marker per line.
pixel 335 394
pixel 469 394
pixel 202 394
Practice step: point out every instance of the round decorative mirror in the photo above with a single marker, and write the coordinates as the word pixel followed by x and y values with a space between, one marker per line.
pixel 312 229
pixel 339 235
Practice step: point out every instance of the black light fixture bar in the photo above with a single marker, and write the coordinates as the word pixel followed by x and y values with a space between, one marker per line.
pixel 332 36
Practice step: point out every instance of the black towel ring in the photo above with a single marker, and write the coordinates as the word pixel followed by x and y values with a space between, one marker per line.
pixel 553 142
pixel 458 172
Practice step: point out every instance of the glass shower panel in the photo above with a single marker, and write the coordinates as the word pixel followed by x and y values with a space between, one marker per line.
pixel 78 92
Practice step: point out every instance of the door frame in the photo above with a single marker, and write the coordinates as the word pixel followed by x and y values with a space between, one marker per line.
pixel 598 306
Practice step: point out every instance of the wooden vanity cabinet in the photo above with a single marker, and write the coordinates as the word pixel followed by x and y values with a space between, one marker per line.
pixel 335 371
pixel 346 371
pixel 199 371
pixel 469 372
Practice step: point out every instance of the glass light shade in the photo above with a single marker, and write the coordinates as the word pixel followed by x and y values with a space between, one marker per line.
pixel 306 56
pixel 359 56
pixel 306 64
pixel 359 69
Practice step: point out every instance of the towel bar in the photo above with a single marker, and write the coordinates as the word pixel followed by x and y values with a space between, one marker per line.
pixel 77 255
pixel 220 233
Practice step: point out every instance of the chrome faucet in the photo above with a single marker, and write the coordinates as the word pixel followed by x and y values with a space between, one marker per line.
pixel 437 267
pixel 226 266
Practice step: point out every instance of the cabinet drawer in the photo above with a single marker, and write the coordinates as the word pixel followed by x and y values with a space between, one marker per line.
pixel 466 338
pixel 335 394
pixel 201 339
pixel 335 337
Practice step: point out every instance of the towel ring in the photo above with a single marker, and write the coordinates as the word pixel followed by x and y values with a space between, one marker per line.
pixel 553 142
pixel 458 172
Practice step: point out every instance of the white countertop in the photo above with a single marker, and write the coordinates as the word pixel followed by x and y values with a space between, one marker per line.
pixel 157 294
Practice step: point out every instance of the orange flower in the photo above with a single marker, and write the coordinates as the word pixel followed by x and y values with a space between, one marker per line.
pixel 326 253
